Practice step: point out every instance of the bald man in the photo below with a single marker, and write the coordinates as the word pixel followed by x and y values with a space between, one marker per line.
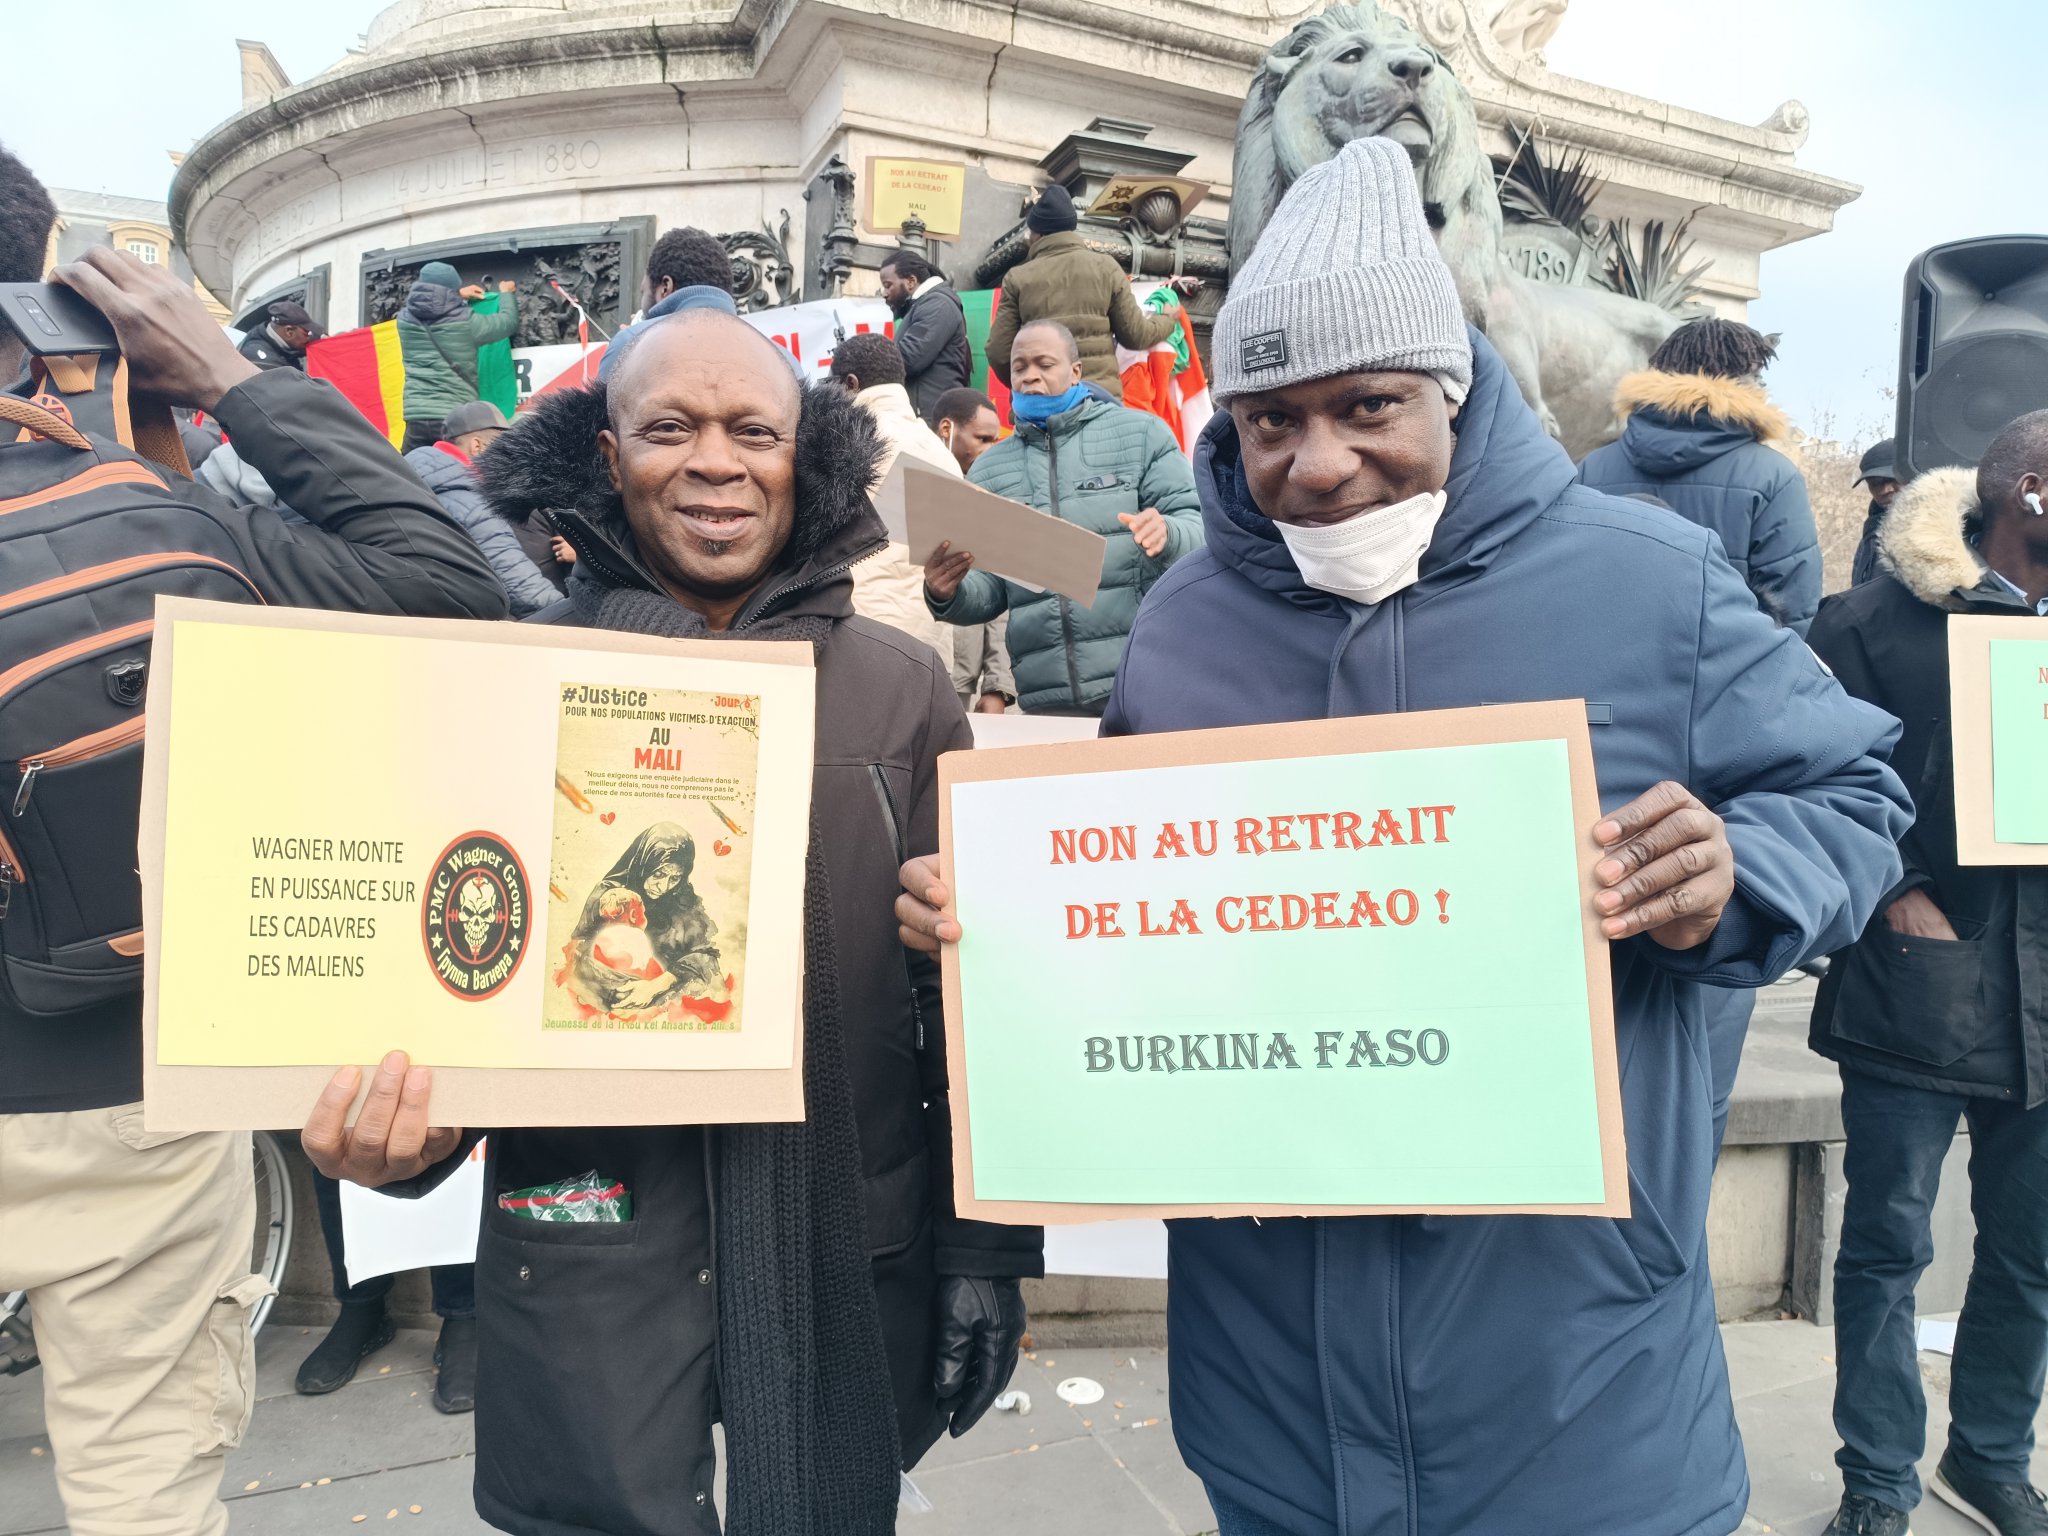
pixel 1084 459
pixel 806 1285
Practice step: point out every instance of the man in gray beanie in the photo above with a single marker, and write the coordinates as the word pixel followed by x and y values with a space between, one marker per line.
pixel 1084 290
pixel 1389 528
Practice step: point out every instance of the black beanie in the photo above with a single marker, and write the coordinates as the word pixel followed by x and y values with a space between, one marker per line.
pixel 1053 213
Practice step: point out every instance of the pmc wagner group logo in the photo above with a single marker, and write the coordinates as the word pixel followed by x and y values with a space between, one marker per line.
pixel 475 915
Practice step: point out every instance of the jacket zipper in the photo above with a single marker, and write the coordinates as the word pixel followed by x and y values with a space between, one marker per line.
pixel 11 872
pixel 1399 1382
pixel 1052 473
pixel 114 570
pixel 98 744
pixel 902 857
pixel 589 547
pixel 803 584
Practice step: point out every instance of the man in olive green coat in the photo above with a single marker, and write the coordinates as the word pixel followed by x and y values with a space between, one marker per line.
pixel 1086 291
pixel 439 338
pixel 1091 462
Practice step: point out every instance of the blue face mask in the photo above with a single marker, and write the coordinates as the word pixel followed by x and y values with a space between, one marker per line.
pixel 1039 409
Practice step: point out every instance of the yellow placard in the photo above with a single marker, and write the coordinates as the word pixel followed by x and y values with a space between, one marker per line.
pixel 932 190
pixel 466 842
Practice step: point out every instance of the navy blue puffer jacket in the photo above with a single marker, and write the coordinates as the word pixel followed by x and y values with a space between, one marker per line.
pixel 1699 444
pixel 1514 1375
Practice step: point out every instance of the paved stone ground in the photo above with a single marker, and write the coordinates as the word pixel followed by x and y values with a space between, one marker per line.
pixel 378 1447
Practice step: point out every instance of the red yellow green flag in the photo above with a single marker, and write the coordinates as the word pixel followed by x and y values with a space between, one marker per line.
pixel 365 366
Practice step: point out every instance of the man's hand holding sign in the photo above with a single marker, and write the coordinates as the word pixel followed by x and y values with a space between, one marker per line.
pixel 1668 871
pixel 391 1140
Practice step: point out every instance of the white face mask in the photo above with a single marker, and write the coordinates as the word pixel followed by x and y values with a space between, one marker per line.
pixel 1369 557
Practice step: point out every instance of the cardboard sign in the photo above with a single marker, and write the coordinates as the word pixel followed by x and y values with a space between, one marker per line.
pixel 923 508
pixel 1342 966
pixel 1120 195
pixel 932 190
pixel 1998 696
pixel 563 867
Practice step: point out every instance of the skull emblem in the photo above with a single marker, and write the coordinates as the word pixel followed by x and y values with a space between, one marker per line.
pixel 477 905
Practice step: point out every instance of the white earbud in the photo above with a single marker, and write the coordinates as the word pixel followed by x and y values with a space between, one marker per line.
pixel 2033 500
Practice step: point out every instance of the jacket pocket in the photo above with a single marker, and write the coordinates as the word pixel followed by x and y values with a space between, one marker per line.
pixel 1912 997
pixel 1096 508
pixel 898 1203
pixel 567 1234
pixel 1651 1247
pixel 231 1362
pixel 594 1378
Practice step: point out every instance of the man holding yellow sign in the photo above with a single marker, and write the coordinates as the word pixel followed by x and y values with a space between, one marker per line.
pixel 806 1284
pixel 1390 530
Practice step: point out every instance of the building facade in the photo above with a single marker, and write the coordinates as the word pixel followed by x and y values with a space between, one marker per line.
pixel 136 225
pixel 550 142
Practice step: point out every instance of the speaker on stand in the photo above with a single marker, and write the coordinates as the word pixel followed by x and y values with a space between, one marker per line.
pixel 1973 347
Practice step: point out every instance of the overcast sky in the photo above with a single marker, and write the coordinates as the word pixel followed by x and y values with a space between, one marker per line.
pixel 1936 110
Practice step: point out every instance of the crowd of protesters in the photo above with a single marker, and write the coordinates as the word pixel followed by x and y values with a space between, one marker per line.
pixel 1374 520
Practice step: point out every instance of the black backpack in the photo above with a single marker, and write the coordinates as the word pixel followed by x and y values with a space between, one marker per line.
pixel 90 534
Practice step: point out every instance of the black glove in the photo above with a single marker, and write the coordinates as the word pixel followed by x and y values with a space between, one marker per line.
pixel 981 1325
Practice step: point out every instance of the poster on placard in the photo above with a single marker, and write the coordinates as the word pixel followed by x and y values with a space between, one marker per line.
pixel 1998 696
pixel 648 891
pixel 564 868
pixel 1329 967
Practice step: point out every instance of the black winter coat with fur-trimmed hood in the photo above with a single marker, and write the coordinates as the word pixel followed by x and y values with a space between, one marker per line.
pixel 1968 1015
pixel 597 1363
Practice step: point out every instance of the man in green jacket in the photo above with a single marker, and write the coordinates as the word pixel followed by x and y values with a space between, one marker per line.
pixel 439 338
pixel 1089 461
pixel 1084 290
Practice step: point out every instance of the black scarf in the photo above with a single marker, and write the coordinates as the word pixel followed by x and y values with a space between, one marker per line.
pixel 810 1418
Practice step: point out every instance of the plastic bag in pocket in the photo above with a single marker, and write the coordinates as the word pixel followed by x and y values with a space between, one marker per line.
pixel 589 1197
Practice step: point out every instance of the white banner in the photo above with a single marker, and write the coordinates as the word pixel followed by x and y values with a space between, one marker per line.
pixel 807 332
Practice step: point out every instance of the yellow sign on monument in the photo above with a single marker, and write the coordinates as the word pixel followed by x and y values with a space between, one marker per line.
pixel 932 190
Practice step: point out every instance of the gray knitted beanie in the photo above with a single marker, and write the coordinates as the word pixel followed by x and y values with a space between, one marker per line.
pixel 1345 278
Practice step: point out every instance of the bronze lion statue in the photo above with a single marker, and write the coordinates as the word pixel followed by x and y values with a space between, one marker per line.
pixel 1355 72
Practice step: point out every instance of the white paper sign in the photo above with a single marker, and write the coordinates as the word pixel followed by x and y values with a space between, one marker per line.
pixel 1134 1250
pixel 922 508
pixel 384 1236
pixel 807 332
pixel 1030 730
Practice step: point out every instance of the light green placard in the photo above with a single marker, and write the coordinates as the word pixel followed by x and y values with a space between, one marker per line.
pixel 1439 1056
pixel 2019 741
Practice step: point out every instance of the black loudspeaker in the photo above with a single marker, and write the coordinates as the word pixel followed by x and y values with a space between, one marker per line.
pixel 1973 347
